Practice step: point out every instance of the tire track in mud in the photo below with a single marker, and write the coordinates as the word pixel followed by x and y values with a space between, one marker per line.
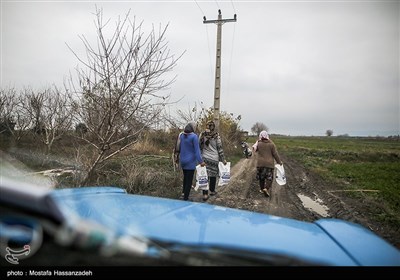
pixel 242 192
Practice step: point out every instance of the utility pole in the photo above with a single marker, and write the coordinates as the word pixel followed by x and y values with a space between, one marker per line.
pixel 217 90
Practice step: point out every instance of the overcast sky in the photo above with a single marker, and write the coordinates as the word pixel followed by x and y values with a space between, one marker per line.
pixel 299 67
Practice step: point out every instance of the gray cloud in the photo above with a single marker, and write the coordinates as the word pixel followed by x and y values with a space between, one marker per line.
pixel 299 67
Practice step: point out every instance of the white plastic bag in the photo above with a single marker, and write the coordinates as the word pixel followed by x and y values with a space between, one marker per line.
pixel 280 174
pixel 201 178
pixel 224 173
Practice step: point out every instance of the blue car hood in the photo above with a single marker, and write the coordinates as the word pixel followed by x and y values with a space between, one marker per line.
pixel 325 241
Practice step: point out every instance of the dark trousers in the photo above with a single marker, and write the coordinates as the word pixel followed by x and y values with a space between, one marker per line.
pixel 187 183
pixel 265 176
pixel 265 184
pixel 212 182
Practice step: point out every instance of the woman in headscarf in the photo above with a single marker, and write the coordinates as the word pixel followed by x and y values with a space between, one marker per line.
pixel 267 153
pixel 188 152
pixel 212 153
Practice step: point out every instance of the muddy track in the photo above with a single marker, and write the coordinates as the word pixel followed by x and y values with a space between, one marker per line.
pixel 327 200
pixel 243 192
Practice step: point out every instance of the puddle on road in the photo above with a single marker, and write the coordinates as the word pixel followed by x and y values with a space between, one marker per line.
pixel 315 205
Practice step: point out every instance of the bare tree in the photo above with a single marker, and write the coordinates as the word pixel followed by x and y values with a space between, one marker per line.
pixel 14 116
pixel 8 103
pixel 120 84
pixel 195 113
pixel 329 132
pixel 258 127
pixel 50 111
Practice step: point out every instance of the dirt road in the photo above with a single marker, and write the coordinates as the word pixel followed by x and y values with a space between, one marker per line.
pixel 243 192
pixel 305 197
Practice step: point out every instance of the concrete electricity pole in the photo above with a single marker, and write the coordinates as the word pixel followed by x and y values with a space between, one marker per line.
pixel 217 89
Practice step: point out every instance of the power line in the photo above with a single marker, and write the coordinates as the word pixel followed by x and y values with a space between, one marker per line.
pixel 208 39
pixel 202 13
pixel 234 10
pixel 230 60
pixel 217 4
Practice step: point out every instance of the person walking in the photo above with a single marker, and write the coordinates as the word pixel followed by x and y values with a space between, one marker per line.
pixel 212 153
pixel 187 154
pixel 267 153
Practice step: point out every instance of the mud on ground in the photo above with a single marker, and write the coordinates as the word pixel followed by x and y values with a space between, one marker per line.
pixel 291 200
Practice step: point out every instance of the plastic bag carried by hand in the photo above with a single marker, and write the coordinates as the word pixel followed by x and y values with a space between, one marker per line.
pixel 280 174
pixel 224 173
pixel 201 178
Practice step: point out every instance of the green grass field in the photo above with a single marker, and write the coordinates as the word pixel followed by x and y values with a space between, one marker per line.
pixel 353 163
